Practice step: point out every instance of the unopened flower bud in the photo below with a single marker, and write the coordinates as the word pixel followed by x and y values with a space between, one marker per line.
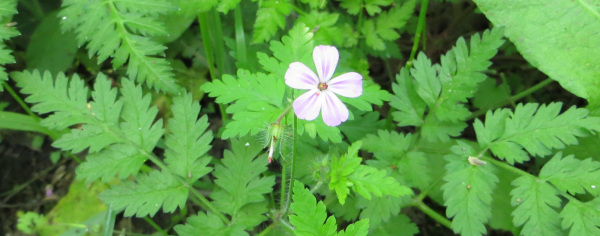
pixel 275 133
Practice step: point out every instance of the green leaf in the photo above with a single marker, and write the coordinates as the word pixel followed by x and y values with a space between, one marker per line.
pixel 366 123
pixel 360 227
pixel 188 140
pixel 152 191
pixel 365 180
pixel 16 121
pixel 226 5
pixel 582 218
pixel 209 224
pixel 490 95
pixel 120 29
pixel 240 182
pixel 269 18
pixel 309 216
pixel 379 210
pixel 67 100
pixel 410 107
pixel 118 159
pixel 7 9
pixel 572 175
pixel 399 225
pixel 535 203
pixel 386 25
pixel 257 101
pixel 49 49
pixel 468 191
pixel 535 130
pixel 526 24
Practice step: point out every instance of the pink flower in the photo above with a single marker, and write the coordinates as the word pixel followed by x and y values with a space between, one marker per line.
pixel 322 90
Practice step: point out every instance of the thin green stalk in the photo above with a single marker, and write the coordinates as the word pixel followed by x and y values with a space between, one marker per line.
pixel 216 30
pixel 433 214
pixel 208 49
pixel 20 101
pixel 292 175
pixel 240 39
pixel 514 98
pixel 283 185
pixel 420 30
pixel 207 41
pixel 155 225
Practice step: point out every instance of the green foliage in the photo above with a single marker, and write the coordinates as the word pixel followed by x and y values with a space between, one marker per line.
pixel 443 90
pixel 468 191
pixel 119 133
pixel 572 175
pixel 575 67
pixel 188 141
pixel 536 203
pixel 582 218
pixel 241 188
pixel 398 225
pixel 533 129
pixel 379 210
pixel 310 217
pixel 120 29
pixel 364 180
pixel 385 27
pixel 7 9
pixel 49 48
pixel 209 224
pixel 270 17
pixel 152 191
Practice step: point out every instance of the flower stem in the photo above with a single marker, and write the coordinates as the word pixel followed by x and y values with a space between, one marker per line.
pixel 293 171
pixel 208 50
pixel 420 31
pixel 285 112
pixel 240 39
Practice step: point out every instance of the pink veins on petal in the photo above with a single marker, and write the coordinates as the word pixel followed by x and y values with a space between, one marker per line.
pixel 322 89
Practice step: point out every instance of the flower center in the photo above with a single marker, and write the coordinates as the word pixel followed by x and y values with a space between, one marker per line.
pixel 323 86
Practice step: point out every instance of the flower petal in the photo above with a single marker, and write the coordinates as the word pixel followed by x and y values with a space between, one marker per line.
pixel 299 76
pixel 347 85
pixel 307 106
pixel 326 59
pixel 334 112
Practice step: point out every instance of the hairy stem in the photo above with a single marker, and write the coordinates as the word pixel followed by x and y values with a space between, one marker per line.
pixel 433 214
pixel 293 171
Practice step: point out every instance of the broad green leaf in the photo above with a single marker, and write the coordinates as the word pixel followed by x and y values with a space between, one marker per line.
pixel 572 175
pixel 49 49
pixel 16 121
pixel 571 36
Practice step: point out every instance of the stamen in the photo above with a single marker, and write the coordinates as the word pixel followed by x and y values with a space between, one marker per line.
pixel 323 86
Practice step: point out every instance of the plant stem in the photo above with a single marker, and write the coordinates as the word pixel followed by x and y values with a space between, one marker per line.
pixel 240 39
pixel 283 185
pixel 514 98
pixel 293 172
pixel 154 225
pixel 420 30
pixel 216 30
pixel 20 101
pixel 285 112
pixel 433 214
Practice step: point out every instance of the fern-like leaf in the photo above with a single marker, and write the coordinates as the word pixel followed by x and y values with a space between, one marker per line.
pixel 468 191
pixel 257 101
pixel 147 195
pixel 534 129
pixel 572 175
pixel 209 224
pixel 7 9
pixel 120 29
pixel 269 18
pixel 188 141
pixel 365 180
pixel 310 217
pixel 535 203
pixel 240 183
pixel 583 219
